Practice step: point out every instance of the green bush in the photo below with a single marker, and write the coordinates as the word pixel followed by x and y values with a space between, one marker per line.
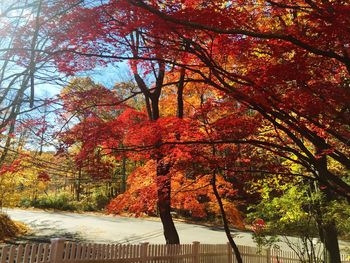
pixel 84 205
pixel 59 202
pixel 62 201
pixel 25 202
pixel 100 200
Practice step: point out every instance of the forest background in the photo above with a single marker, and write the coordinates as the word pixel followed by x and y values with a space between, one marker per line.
pixel 231 111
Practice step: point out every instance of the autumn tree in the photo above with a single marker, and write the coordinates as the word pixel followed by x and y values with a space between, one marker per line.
pixel 86 107
pixel 23 64
pixel 196 188
pixel 134 44
pixel 286 61
pixel 23 67
pixel 283 66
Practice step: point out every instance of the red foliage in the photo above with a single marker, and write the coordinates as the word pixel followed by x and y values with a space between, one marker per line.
pixel 258 225
pixel 12 167
pixel 281 65
pixel 43 176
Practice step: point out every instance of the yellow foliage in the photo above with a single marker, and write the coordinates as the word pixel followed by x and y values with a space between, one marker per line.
pixel 23 182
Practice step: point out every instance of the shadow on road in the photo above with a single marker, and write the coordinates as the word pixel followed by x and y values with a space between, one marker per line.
pixel 32 238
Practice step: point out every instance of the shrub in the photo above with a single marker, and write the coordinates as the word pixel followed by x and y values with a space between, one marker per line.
pixel 84 205
pixel 62 201
pixel 25 202
pixel 100 200
pixel 59 202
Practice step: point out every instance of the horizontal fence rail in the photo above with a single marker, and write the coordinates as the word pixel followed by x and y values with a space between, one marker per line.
pixel 60 251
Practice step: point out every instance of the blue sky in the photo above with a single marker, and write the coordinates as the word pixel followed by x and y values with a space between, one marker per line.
pixel 107 76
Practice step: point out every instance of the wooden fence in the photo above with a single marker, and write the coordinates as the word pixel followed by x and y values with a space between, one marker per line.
pixel 60 251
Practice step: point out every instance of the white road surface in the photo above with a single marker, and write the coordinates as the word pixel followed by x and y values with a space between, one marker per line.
pixel 113 229
pixel 116 229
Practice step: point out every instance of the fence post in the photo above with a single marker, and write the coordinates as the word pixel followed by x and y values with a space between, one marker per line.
pixel 144 252
pixel 229 253
pixel 268 255
pixel 57 250
pixel 195 251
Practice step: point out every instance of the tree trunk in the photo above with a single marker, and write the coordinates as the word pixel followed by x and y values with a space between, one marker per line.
pixel 77 186
pixel 163 168
pixel 180 90
pixel 224 220
pixel 332 253
pixel 330 234
pixel 164 202
pixel 123 188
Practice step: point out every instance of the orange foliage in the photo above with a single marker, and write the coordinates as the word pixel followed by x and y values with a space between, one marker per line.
pixel 192 196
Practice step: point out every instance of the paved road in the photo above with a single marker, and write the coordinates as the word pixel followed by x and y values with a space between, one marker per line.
pixel 116 229
pixel 113 229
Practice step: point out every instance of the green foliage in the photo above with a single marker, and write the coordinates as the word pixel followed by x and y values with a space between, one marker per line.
pixel 63 201
pixel 100 199
pixel 286 213
pixel 295 209
pixel 59 202
pixel 340 212
pixel 290 213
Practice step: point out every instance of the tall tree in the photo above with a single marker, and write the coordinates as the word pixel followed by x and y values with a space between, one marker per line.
pixel 287 61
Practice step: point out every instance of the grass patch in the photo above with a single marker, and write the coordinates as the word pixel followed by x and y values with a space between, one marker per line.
pixel 10 229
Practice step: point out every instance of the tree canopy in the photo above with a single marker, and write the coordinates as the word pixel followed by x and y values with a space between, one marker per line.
pixel 223 94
